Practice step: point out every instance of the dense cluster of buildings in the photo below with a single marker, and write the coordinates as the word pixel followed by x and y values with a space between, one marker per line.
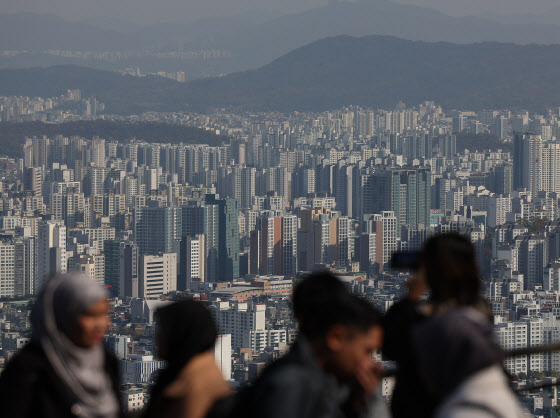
pixel 69 106
pixel 236 225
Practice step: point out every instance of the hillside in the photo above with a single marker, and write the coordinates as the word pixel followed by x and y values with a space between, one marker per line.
pixel 250 39
pixel 380 71
pixel 375 71
pixel 479 142
pixel 12 135
pixel 122 94
pixel 257 45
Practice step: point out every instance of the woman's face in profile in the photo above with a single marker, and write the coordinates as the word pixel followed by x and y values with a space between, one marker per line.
pixel 92 325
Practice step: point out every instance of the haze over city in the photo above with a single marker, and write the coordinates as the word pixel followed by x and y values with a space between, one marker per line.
pixel 147 12
pixel 314 209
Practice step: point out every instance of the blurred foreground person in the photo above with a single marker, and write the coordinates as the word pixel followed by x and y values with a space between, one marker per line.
pixel 191 383
pixel 64 371
pixel 449 362
pixel 329 372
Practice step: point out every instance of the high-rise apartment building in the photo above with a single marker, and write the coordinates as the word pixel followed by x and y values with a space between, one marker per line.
pixel 274 246
pixel 121 268
pixel 406 192
pixel 223 238
pixel 157 274
pixel 157 228
pixel 7 269
pixel 51 250
pixel 238 320
pixel 384 226
pixel 25 266
pixel 193 261
pixel 33 180
pixel 527 162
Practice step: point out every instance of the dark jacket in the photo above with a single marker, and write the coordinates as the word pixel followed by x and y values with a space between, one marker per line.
pixel 29 387
pixel 296 387
pixel 410 397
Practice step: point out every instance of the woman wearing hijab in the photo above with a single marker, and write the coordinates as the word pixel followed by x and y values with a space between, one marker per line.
pixel 191 383
pixel 64 371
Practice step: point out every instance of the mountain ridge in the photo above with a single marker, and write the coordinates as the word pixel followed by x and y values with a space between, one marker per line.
pixel 250 42
pixel 372 71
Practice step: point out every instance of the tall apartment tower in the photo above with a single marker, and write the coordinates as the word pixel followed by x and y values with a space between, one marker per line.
pixel 223 238
pixel 7 274
pixel 25 266
pixel 156 228
pixel 157 275
pixel 550 167
pixel 274 246
pixel 33 180
pixel 384 227
pixel 527 162
pixel 121 268
pixel 406 192
pixel 193 261
pixel 51 250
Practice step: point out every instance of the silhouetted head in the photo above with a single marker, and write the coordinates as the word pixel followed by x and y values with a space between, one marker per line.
pixel 449 266
pixel 184 329
pixel 344 329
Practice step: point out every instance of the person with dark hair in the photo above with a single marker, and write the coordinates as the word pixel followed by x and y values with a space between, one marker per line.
pixel 450 270
pixel 442 343
pixel 64 371
pixel 191 383
pixel 329 371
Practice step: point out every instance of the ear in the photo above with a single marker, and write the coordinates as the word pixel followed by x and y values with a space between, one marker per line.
pixel 336 337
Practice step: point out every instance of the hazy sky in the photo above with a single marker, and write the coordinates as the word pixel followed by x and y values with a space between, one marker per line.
pixel 478 7
pixel 156 11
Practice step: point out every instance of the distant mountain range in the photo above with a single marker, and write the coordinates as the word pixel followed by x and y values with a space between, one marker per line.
pixel 255 40
pixel 260 44
pixel 122 94
pixel 374 71
pixel 380 71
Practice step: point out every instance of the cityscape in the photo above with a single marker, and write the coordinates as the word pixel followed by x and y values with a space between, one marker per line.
pixel 236 225
pixel 205 163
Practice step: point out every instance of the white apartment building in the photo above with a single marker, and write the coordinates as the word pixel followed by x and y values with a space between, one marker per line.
pixel 513 335
pixel 238 320
pixel 498 208
pixel 196 259
pixel 157 274
pixel 138 369
pixel 51 250
pixel 261 339
pixel 222 354
pixel 7 273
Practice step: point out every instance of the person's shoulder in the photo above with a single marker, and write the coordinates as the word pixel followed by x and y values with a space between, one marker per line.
pixel 112 368
pixel 111 361
pixel 28 357
pixel 289 376
pixel 24 370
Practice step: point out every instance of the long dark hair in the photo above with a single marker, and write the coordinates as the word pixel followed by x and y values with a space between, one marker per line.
pixel 451 270
pixel 187 329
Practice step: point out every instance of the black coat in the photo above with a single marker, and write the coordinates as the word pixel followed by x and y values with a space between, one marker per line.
pixel 410 397
pixel 29 386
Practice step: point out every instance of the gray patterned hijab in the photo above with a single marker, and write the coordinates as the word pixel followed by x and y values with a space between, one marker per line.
pixel 63 298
